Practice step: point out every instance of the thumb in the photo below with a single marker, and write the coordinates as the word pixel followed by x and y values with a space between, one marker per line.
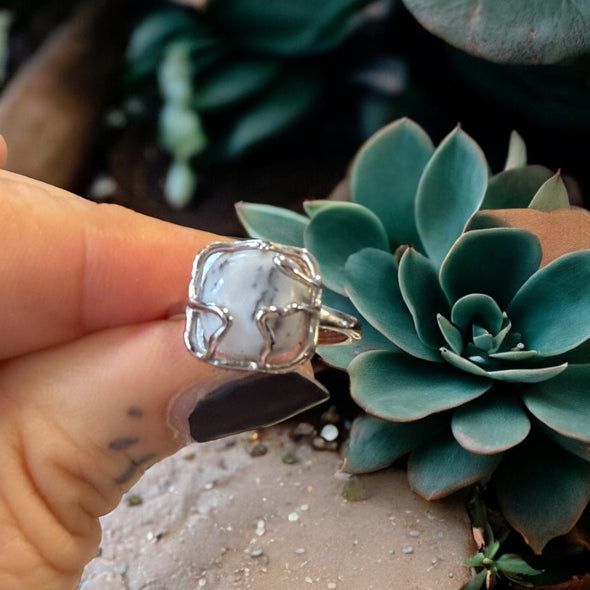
pixel 80 422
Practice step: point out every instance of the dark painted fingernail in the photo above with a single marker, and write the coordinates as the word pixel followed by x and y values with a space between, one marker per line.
pixel 257 400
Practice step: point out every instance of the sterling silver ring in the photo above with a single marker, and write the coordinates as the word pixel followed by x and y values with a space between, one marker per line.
pixel 255 305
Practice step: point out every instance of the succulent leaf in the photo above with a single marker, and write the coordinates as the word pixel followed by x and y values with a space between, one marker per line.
pixel 451 189
pixel 563 403
pixel 424 298
pixel 284 27
pixel 375 444
pixel 148 40
pixel 490 424
pixel 313 206
pixel 383 304
pixel 442 466
pixel 479 308
pixel 464 364
pixel 175 75
pixel 181 131
pixel 573 445
pixel 180 184
pixel 517 154
pixel 511 256
pixel 551 195
pixel 523 31
pixel 396 387
pixel 275 224
pixel 336 233
pixel 385 175
pixel 477 582
pixel 277 108
pixel 514 187
pixel 233 82
pixel 515 355
pixel 552 309
pixel 542 490
pixel 523 375
pixel 451 334
pixel 510 563
pixel 341 356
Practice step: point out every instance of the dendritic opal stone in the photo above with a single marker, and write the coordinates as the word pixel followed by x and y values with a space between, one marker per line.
pixel 253 305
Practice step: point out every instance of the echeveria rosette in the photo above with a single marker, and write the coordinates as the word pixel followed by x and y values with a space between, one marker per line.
pixel 474 357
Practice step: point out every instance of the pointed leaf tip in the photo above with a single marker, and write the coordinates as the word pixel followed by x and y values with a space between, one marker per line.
pixel 451 189
pixel 517 152
pixel 385 175
pixel 552 195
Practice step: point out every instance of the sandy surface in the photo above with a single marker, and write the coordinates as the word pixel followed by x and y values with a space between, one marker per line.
pixel 213 516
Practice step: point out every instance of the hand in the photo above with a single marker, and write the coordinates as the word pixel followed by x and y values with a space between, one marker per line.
pixel 95 382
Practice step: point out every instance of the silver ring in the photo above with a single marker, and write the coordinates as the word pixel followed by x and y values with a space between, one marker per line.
pixel 255 305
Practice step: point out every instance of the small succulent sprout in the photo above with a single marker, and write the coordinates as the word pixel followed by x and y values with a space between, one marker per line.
pixel 180 128
pixel 475 359
pixel 490 564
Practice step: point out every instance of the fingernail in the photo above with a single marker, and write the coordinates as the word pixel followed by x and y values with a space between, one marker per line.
pixel 254 401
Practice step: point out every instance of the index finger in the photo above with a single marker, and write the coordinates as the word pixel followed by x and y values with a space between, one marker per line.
pixel 69 267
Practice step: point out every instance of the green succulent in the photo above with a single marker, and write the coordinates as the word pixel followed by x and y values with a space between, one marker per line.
pixel 232 75
pixel 475 356
pixel 518 31
pixel 491 563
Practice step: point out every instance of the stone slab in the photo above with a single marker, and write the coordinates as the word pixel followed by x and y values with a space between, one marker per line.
pixel 213 516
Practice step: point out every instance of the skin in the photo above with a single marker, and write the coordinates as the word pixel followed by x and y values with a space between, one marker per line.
pixel 95 382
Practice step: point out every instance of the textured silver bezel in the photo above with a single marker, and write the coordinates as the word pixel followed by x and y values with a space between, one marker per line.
pixel 296 263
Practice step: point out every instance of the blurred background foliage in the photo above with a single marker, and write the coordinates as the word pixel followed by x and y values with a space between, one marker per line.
pixel 198 106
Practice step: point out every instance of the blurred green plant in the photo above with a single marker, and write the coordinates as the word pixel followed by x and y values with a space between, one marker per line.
pixel 490 564
pixel 518 31
pixel 475 356
pixel 235 73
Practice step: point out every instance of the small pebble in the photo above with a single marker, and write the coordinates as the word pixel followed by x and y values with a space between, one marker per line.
pixel 134 500
pixel 331 415
pixel 331 585
pixel 329 432
pixel 260 528
pixel 407 549
pixel 308 580
pixel 293 517
pixel 289 458
pixel 300 551
pixel 414 533
pixel 303 429
pixel 258 450
pixel 256 552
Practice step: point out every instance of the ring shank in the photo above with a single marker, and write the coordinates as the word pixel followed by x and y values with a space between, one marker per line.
pixel 337 327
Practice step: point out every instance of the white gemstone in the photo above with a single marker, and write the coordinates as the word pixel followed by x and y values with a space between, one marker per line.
pixel 243 282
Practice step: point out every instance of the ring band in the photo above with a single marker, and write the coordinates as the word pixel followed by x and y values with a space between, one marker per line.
pixel 256 305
